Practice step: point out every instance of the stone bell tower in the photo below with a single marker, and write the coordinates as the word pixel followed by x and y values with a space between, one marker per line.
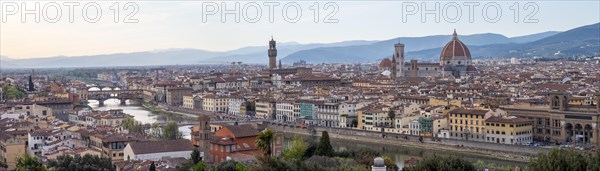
pixel 398 60
pixel 272 54
pixel 204 137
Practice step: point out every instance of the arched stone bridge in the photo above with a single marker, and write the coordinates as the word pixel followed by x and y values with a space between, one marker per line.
pixel 122 95
pixel 102 88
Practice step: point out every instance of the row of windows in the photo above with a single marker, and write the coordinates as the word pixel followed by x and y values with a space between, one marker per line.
pixel 462 135
pixel 285 107
pixel 226 148
pixel 456 128
pixel 503 140
pixel 467 115
pixel 460 121
pixel 504 133
pixel 510 125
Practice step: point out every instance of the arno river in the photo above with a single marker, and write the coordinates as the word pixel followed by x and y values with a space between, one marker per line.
pixel 396 153
pixel 138 112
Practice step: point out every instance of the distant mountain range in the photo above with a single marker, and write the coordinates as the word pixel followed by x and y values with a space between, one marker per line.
pixel 581 41
pixel 378 50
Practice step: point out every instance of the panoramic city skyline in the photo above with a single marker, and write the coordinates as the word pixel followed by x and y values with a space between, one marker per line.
pixel 300 85
pixel 166 25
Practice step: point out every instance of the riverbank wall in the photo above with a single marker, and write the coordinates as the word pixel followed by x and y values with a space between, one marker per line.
pixel 501 151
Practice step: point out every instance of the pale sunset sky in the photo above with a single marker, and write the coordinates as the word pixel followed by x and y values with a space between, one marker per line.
pixel 167 24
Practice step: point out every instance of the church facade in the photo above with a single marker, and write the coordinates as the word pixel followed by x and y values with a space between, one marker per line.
pixel 455 61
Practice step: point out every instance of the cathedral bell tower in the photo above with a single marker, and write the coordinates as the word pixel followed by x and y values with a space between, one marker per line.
pixel 272 54
pixel 398 60
pixel 30 86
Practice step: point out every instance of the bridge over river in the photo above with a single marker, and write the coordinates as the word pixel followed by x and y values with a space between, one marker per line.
pixel 102 93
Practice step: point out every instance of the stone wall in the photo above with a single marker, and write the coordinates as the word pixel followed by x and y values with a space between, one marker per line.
pixel 351 134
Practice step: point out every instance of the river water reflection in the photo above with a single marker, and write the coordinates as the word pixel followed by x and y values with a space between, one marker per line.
pixel 138 112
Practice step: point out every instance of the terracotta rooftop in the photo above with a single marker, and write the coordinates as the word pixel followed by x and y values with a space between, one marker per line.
pixel 507 119
pixel 469 111
pixel 148 147
pixel 242 130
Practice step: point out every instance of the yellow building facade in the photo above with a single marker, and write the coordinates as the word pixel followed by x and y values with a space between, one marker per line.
pixel 509 130
pixel 468 124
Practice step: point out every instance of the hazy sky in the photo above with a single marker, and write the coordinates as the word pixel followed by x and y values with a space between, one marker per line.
pixel 165 25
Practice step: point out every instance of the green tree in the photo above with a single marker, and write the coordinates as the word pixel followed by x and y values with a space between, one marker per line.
pixel 240 167
pixel 559 159
pixel 354 123
pixel 29 163
pixel 391 116
pixel 152 167
pixel 78 163
pixel 196 156
pixel 13 92
pixel 297 149
pixel 186 166
pixel 595 161
pixel 439 163
pixel 132 125
pixel 263 142
pixel 324 147
pixel 155 130
pixel 170 131
pixel 200 166
pixel 250 106
pixel 389 163
pixel 479 164
pixel 228 165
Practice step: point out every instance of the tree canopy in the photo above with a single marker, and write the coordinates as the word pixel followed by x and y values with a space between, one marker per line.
pixel 171 131
pixel 441 163
pixel 132 125
pixel 200 166
pixel 264 140
pixel 29 163
pixel 297 149
pixel 354 123
pixel 13 92
pixel 391 114
pixel 565 159
pixel 78 163
pixel 195 156
pixel 152 167
pixel 324 147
